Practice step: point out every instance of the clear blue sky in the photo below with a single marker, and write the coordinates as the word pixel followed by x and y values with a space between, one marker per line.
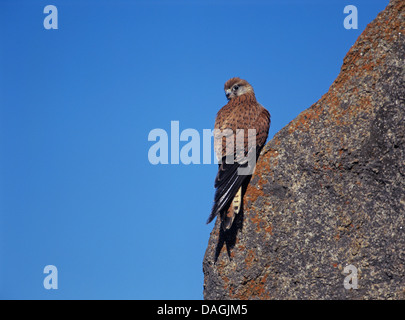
pixel 77 104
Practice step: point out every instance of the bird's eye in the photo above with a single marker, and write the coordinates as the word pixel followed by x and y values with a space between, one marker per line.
pixel 235 88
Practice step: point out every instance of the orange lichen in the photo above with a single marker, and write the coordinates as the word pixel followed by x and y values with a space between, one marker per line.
pixel 250 257
pixel 252 193
pixel 253 289
pixel 269 229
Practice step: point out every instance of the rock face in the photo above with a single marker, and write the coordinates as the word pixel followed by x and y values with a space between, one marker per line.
pixel 328 190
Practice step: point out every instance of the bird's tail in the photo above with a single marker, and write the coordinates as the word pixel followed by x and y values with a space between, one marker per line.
pixel 234 209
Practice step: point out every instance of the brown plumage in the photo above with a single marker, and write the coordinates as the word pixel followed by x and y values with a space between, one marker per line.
pixel 241 112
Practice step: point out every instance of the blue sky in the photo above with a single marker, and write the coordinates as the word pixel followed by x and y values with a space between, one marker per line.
pixel 76 107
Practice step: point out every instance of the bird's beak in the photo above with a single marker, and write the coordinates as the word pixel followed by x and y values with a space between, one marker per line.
pixel 228 93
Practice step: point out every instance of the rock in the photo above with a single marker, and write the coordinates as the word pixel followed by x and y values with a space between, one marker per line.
pixel 328 190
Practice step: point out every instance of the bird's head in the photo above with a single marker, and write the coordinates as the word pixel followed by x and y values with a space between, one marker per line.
pixel 236 87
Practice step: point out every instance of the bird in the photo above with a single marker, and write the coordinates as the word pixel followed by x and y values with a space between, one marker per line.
pixel 240 132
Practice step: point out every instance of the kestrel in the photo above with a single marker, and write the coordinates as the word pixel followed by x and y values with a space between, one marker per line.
pixel 241 130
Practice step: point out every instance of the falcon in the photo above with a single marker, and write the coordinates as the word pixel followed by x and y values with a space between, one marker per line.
pixel 241 130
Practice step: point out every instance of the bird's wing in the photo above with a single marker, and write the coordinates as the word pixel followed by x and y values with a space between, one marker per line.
pixel 227 184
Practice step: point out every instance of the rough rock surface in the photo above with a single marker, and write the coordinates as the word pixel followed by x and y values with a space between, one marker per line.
pixel 329 189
